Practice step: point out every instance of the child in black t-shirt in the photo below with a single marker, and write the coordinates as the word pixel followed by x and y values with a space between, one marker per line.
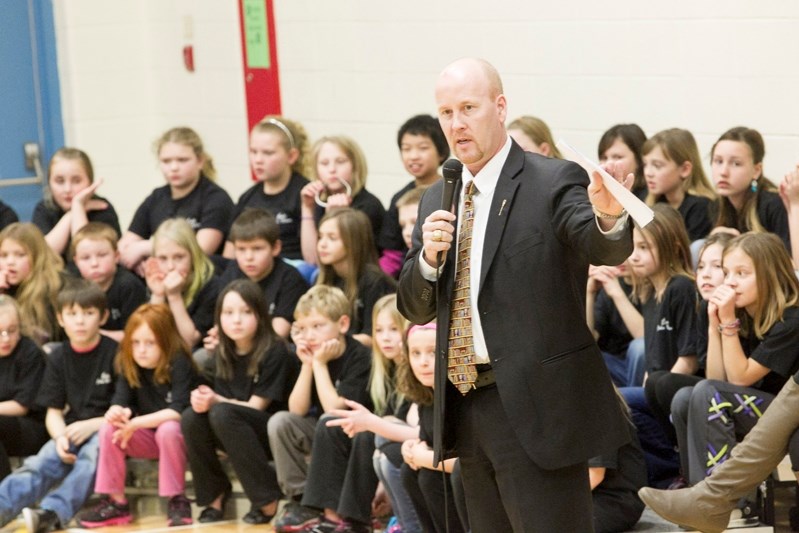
pixel 253 373
pixel 22 430
pixel 423 148
pixel 348 261
pixel 94 252
pixel 339 180
pixel 190 193
pixel 278 147
pixel 334 367
pixel 70 201
pixel 257 248
pixel 80 374
pixel 156 374
pixel 182 276
pixel 421 478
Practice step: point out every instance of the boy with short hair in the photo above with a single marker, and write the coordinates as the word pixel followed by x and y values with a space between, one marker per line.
pixel 94 251
pixel 334 367
pixel 423 149
pixel 80 374
pixel 255 235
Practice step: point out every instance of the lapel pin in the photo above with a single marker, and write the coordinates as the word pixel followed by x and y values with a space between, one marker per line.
pixel 502 207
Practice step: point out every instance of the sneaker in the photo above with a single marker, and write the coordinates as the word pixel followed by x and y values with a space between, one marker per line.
pixel 178 511
pixel 40 520
pixel 345 526
pixel 294 518
pixel 256 516
pixel 106 513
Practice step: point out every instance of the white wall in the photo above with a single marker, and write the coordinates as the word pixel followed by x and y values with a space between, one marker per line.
pixel 123 84
pixel 361 67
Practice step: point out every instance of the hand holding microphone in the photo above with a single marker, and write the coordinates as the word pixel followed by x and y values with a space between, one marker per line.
pixel 438 230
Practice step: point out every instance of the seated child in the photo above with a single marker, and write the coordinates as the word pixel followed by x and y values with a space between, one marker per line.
pixel 341 478
pixel 255 235
pixel 423 481
pixel 31 272
pixel 94 251
pixel 80 374
pixel 156 374
pixel 22 430
pixel 253 373
pixel 335 367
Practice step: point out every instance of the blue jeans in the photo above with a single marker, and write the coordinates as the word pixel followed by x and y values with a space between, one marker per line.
pixel 662 461
pixel 628 371
pixel 391 478
pixel 31 482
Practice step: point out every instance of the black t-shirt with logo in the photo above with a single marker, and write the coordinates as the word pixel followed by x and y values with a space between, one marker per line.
pixel 151 397
pixel 670 325
pixel 21 373
pixel 282 288
pixel 206 206
pixel 126 293
pixel 83 381
pixel 286 208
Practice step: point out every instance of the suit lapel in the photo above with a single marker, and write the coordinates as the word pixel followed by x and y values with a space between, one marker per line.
pixel 500 207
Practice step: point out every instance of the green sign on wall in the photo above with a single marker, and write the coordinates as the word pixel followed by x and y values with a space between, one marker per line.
pixel 256 33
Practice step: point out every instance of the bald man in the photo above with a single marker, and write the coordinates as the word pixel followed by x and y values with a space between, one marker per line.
pixel 542 402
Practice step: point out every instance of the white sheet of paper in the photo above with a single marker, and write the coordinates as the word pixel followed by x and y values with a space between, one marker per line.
pixel 637 209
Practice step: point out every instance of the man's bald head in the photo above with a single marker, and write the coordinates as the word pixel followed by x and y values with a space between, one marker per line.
pixel 478 68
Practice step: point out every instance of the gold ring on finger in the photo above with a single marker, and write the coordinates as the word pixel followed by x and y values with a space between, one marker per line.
pixel 437 235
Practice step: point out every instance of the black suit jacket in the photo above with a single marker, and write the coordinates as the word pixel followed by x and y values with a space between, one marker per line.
pixel 550 374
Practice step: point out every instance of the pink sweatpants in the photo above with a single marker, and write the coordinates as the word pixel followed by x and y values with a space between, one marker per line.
pixel 165 443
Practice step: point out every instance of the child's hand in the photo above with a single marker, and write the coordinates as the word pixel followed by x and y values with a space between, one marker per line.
pixel 724 299
pixel 351 421
pixel 338 200
pixel 63 449
pixel 609 278
pixel 174 282
pixel 408 452
pixel 123 435
pixel 329 350
pixel 203 398
pixel 304 353
pixel 713 315
pixel 789 188
pixel 83 200
pixel 154 277
pixel 381 504
pixel 211 341
pixel 117 415
pixel 80 431
pixel 309 193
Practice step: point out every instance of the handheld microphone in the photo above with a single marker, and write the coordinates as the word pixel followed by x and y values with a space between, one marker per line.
pixel 452 173
pixel 453 169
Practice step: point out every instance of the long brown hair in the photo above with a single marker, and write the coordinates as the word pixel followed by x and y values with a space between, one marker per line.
pixel 678 145
pixel 407 382
pixel 37 293
pixel 667 235
pixel 357 238
pixel 777 285
pixel 159 319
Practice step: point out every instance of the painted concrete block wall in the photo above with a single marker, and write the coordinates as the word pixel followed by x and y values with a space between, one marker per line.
pixel 361 67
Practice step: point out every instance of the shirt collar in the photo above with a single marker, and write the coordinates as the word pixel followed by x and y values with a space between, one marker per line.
pixel 486 180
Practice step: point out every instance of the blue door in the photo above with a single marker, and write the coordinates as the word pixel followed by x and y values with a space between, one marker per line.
pixel 30 109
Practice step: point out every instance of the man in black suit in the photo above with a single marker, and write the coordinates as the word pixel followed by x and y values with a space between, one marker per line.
pixel 542 403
